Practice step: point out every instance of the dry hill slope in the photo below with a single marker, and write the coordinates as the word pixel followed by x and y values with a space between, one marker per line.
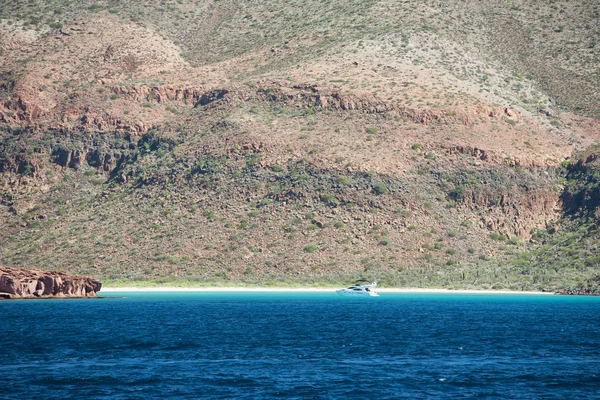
pixel 422 143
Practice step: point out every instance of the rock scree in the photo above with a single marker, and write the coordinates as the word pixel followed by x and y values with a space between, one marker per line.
pixel 22 284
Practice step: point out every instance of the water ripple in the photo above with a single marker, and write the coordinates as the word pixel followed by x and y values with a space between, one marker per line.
pixel 301 346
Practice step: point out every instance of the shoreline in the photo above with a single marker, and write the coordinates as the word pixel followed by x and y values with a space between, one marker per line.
pixel 308 290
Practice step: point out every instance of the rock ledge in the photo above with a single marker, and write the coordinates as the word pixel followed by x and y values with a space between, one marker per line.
pixel 22 284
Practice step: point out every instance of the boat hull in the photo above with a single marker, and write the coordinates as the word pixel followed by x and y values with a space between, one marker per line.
pixel 355 293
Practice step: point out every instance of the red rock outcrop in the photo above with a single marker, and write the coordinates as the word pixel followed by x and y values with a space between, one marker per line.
pixel 17 283
pixel 159 94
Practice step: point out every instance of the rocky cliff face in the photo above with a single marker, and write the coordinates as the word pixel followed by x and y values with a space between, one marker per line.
pixel 582 194
pixel 17 283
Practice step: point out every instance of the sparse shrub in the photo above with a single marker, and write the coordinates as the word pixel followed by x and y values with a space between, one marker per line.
pixel 451 252
pixel 263 202
pixel 339 224
pixel 329 199
pixel 253 213
pixel 253 159
pixel 417 146
pixel 497 236
pixel 311 248
pixel 451 234
pixel 161 152
pixel 209 214
pixel 371 131
pixel 458 193
pixel 384 241
pixel 380 188
pixel 592 261
pixel 28 169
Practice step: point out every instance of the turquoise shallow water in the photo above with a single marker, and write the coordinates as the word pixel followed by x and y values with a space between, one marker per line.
pixel 301 345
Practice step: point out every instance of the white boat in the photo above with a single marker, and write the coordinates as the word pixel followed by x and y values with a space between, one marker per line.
pixel 359 290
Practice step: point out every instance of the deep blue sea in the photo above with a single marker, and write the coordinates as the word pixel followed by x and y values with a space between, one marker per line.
pixel 301 345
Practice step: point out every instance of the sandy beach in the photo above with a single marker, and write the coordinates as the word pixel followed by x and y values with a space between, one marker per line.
pixel 316 290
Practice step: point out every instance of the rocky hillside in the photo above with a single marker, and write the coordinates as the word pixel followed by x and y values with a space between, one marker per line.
pixel 301 142
pixel 573 250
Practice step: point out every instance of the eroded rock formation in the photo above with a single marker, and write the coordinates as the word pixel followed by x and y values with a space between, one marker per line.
pixel 17 283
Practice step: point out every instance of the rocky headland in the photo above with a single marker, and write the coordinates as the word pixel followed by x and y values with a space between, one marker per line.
pixel 21 284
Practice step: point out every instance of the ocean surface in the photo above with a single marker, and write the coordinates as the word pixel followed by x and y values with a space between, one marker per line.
pixel 301 345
